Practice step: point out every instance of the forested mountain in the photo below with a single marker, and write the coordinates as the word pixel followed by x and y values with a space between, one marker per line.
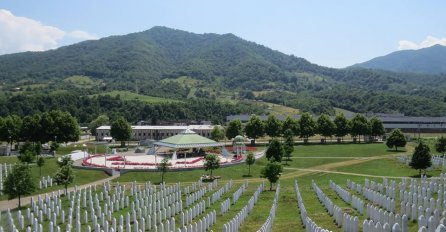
pixel 175 64
pixel 431 60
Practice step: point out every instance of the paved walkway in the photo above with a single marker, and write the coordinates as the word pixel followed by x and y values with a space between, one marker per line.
pixel 10 204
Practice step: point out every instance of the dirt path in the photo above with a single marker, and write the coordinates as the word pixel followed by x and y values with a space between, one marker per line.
pixel 11 204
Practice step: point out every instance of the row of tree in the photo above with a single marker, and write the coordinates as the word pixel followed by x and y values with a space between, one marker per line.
pixel 307 126
pixel 54 125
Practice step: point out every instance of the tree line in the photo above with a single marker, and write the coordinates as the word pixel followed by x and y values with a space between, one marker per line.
pixel 307 126
pixel 54 125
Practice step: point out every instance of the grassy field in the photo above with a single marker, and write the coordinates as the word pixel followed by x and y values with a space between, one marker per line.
pixel 126 95
pixel 347 161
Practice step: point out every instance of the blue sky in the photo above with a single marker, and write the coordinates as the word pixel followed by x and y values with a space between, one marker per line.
pixel 334 33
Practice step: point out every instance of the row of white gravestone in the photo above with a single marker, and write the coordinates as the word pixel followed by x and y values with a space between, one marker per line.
pixel 438 161
pixel 193 187
pixel 191 213
pixel 356 202
pixel 379 199
pixel 268 225
pixel 45 182
pixel 414 198
pixel 201 225
pixel 384 217
pixel 415 210
pixel 4 170
pixel 225 206
pixel 300 203
pixel 431 223
pixel 217 194
pixel 371 226
pixel 234 224
pixel 195 196
pixel 98 209
pixel 237 194
pixel 336 212
pixel 328 204
pixel 344 194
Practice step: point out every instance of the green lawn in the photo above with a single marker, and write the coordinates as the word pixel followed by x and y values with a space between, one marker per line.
pixel 287 214
pixel 50 168
pixel 342 150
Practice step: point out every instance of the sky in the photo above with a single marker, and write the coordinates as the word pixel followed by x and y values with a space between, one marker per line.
pixel 333 33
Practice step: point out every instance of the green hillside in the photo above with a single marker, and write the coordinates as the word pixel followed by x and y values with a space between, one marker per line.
pixel 174 64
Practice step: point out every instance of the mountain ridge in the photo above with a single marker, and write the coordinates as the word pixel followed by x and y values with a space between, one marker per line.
pixel 430 60
pixel 226 67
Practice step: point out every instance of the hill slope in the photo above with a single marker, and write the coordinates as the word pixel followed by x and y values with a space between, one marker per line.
pixel 175 64
pixel 431 60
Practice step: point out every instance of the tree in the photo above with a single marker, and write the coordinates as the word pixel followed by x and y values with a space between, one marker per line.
pixel 40 162
pixel 19 182
pixel 217 133
pixel 359 126
pixel 273 126
pixel 101 120
pixel 274 153
pixel 421 157
pixel 234 129
pixel 211 162
pixel 288 145
pixel 440 145
pixel 163 167
pixel 31 128
pixel 396 139
pixel 65 161
pixel 272 172
pixel 121 130
pixel 64 176
pixel 254 128
pixel 342 126
pixel 376 127
pixel 292 124
pixel 26 157
pixel 29 151
pixel 307 126
pixel 59 125
pixel 250 160
pixel 10 129
pixel 325 126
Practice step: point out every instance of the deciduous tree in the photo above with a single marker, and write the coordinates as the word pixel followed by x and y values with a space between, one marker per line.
pixel 274 153
pixel 288 145
pixel 254 128
pixel 396 139
pixel 19 182
pixel 163 166
pixel 342 126
pixel 234 129
pixel 325 126
pixel 421 157
pixel 250 160
pixel 121 130
pixel 211 162
pixel 272 172
pixel 359 126
pixel 307 126
pixel 273 126
pixel 376 127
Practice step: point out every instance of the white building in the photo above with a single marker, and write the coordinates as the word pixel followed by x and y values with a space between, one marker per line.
pixel 155 132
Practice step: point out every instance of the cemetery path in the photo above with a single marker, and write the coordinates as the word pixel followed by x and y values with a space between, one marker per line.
pixel 11 204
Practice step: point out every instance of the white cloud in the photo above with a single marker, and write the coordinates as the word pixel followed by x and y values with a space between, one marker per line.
pixel 83 35
pixel 18 34
pixel 428 42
